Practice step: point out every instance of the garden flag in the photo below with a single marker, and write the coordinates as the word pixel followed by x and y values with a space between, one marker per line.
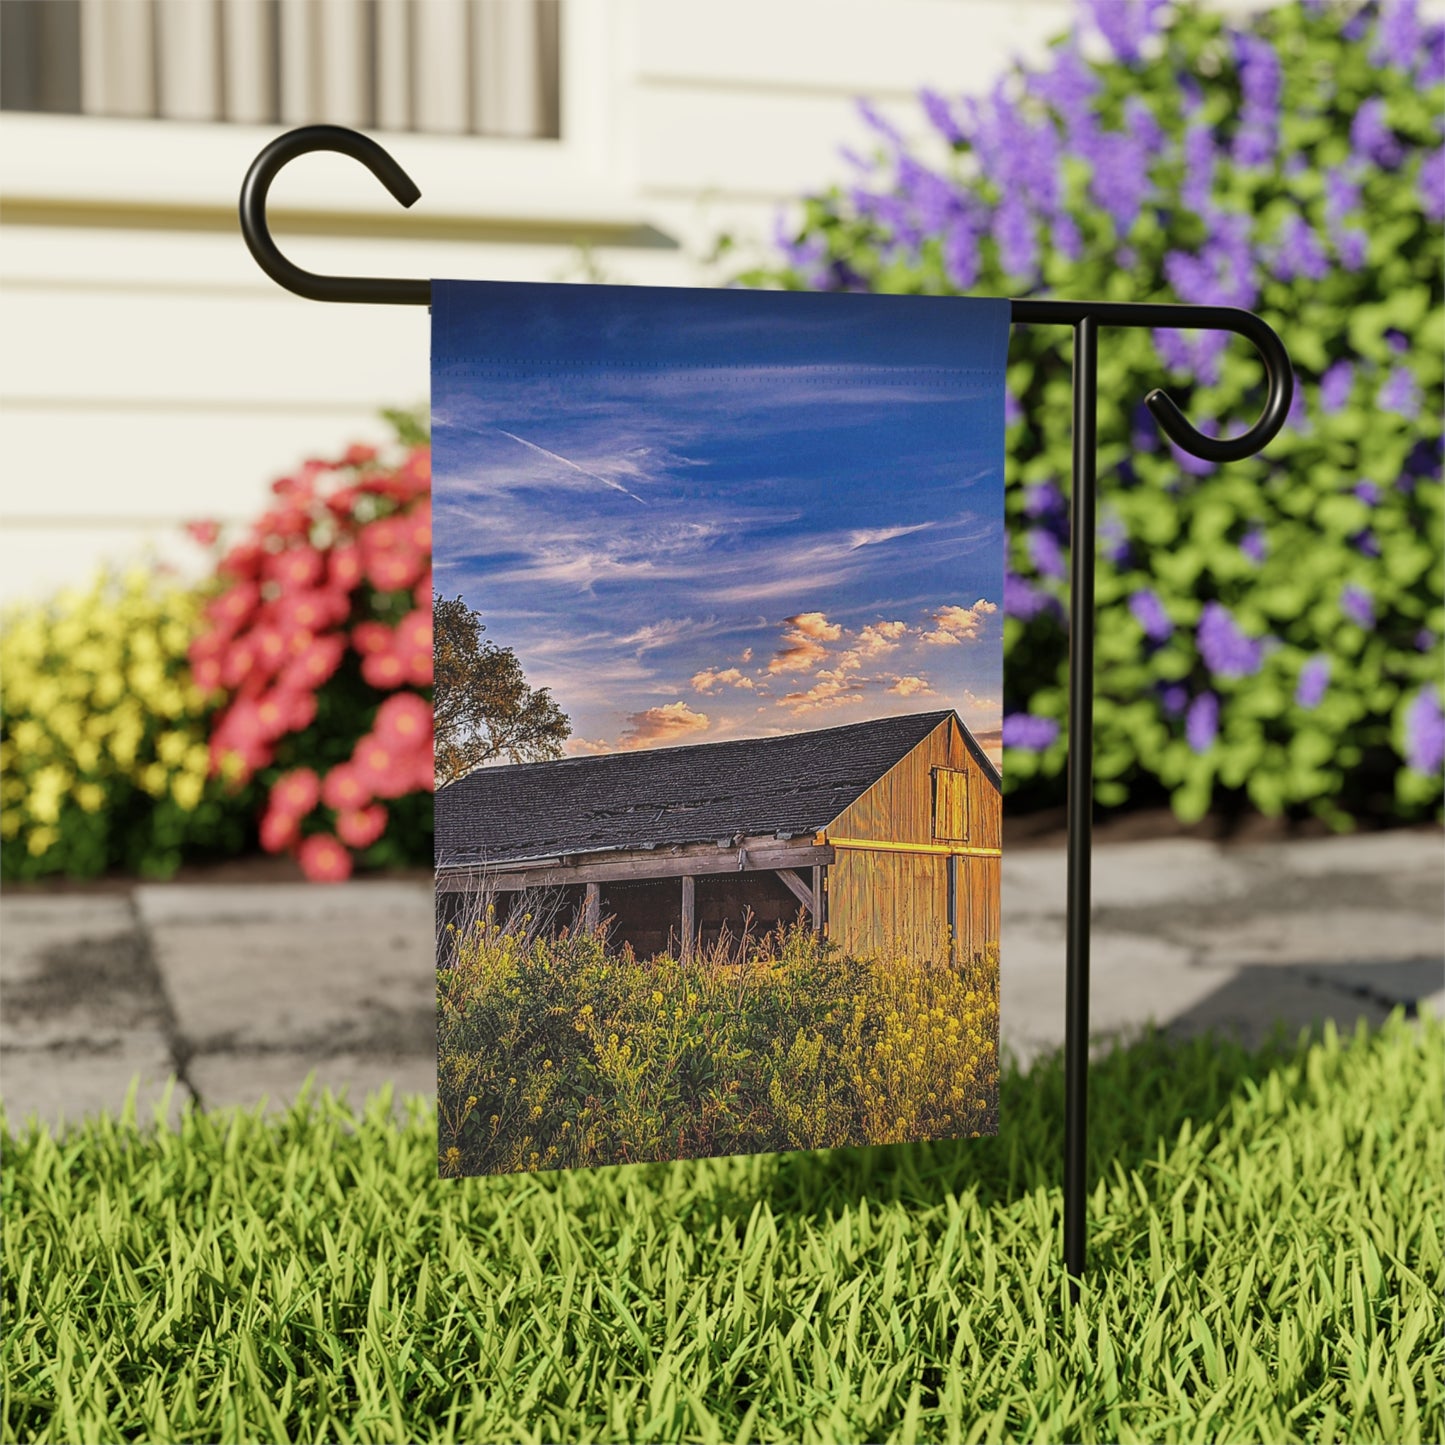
pixel 719 662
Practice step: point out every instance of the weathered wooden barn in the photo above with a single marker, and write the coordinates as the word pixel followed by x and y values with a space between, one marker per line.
pixel 880 834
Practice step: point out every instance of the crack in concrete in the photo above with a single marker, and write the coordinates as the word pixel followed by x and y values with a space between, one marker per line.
pixel 179 1046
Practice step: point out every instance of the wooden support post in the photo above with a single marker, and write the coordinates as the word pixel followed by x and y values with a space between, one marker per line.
pixel 689 915
pixel 818 898
pixel 592 907
pixel 800 890
pixel 953 908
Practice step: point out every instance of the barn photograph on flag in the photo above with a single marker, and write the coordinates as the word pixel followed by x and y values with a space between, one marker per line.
pixel 718 618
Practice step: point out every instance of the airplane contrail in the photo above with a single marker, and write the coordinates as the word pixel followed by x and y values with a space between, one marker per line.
pixel 606 481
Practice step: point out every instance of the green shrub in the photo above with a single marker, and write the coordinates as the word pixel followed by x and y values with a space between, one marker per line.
pixel 1269 630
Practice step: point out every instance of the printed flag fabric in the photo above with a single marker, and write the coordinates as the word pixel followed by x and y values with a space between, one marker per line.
pixel 718 621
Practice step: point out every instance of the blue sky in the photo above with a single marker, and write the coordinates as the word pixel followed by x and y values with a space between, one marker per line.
pixel 699 515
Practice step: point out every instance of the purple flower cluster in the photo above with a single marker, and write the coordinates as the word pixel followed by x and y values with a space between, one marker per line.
pixel 1297 252
pixel 1344 217
pixel 1397 36
pixel 1149 613
pixel 1201 723
pixel 1432 183
pixel 1400 393
pixel 1314 677
pixel 1255 544
pixel 1425 732
pixel 1045 554
pixel 1226 651
pixel 1031 734
pixel 1173 698
pixel 1259 79
pixel 1357 604
pixel 1114 536
pixel 1021 599
pixel 1125 23
pixel 1371 139
pixel 1044 502
pixel 1335 387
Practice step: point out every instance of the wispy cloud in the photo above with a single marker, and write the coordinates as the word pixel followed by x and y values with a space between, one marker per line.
pixel 557 457
pixel 872 536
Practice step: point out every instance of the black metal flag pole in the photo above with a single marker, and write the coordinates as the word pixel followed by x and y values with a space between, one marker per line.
pixel 1085 317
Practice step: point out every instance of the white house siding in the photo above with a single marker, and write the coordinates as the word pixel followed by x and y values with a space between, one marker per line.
pixel 150 373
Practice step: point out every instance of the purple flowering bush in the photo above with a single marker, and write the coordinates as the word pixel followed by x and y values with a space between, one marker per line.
pixel 1270 631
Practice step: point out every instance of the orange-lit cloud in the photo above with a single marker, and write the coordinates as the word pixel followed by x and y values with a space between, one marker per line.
pixel 666 724
pixel 912 687
pixel 803 648
pixel 879 637
pixel 710 679
pixel 585 747
pixel 831 692
pixel 952 625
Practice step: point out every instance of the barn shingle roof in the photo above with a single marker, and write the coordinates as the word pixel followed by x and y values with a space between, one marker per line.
pixel 790 785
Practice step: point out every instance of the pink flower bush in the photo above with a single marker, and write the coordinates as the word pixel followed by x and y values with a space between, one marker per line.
pixel 319 641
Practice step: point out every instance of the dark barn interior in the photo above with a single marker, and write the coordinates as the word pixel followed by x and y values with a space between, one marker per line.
pixel 647 913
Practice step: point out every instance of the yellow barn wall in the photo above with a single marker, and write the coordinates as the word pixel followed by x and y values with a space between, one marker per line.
pixel 878 900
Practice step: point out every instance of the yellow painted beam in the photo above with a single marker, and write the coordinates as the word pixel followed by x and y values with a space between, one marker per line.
pixel 881 845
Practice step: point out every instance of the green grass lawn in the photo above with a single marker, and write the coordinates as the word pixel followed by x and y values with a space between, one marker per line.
pixel 1266 1265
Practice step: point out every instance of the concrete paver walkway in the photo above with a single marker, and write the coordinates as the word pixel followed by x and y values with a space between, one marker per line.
pixel 239 991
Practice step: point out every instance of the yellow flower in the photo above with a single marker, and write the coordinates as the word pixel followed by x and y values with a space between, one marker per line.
pixel 109 688
pixel 41 841
pixel 28 735
pixel 171 747
pixel 91 797
pixel 155 778
pixel 187 790
pixel 146 679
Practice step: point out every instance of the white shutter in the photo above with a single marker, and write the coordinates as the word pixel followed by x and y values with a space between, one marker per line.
pixel 188 58
pixel 117 71
pixel 248 43
pixel 507 66
pixel 440 100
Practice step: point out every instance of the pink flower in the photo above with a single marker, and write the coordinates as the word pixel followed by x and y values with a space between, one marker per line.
pixel 344 790
pixel 395 570
pixel 384 670
pixel 323 859
pixel 346 567
pixel 314 610
pixel 361 827
pixel 381 767
pixel 205 532
pixel 319 658
pixel 279 830
pixel 296 568
pixel 372 637
pixel 404 719
pixel 242 562
pixel 296 792
pixel 231 609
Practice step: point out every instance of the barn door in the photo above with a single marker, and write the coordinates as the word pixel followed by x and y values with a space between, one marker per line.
pixel 950 805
